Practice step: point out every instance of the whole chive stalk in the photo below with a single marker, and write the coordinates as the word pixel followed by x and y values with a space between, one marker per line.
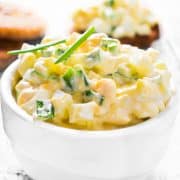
pixel 72 48
pixel 36 48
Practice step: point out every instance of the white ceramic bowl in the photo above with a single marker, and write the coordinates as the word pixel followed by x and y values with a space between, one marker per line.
pixel 48 152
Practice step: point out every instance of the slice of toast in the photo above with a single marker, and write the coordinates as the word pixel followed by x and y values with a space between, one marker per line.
pixel 20 24
pixel 5 59
pixel 141 41
pixel 5 46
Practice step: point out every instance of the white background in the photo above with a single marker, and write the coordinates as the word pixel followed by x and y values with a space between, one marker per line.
pixel 57 14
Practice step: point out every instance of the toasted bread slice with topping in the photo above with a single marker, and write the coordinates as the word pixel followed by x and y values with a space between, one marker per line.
pixel 19 24
pixel 143 41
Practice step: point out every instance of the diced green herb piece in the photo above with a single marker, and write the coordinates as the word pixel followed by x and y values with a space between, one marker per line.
pixel 39 104
pixel 113 29
pixel 129 77
pixel 109 44
pixel 34 72
pixel 46 53
pixel 112 47
pixel 110 2
pixel 53 77
pixel 44 110
pixel 109 75
pixel 101 100
pixel 121 74
pixel 36 48
pixel 58 52
pixel 90 95
pixel 73 74
pixel 75 46
pixel 68 77
pixel 93 58
pixel 83 75
pixel 94 55
pixel 50 77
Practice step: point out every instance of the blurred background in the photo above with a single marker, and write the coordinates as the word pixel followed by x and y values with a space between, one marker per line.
pixel 57 14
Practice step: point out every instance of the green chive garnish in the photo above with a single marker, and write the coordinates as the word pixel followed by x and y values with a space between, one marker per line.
pixel 72 48
pixel 36 48
pixel 44 110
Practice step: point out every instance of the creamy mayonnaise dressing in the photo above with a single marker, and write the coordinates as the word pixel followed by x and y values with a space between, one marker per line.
pixel 102 85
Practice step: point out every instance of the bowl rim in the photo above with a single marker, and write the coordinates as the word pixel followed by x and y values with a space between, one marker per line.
pixel 9 100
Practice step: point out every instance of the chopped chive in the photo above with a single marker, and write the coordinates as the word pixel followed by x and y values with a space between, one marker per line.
pixel 83 75
pixel 36 48
pixel 68 76
pixel 110 2
pixel 39 104
pixel 58 52
pixel 101 100
pixel 90 95
pixel 72 48
pixel 94 55
pixel 109 44
pixel 46 53
pixel 38 74
pixel 44 110
pixel 121 73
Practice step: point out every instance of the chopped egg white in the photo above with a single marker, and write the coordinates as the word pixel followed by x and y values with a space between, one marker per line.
pixel 102 85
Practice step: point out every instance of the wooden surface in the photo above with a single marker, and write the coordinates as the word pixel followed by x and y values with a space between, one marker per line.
pixel 58 22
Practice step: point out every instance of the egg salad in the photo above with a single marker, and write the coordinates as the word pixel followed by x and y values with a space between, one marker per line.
pixel 91 82
pixel 117 18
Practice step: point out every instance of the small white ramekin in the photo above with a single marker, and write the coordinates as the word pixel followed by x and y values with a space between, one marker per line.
pixel 48 152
